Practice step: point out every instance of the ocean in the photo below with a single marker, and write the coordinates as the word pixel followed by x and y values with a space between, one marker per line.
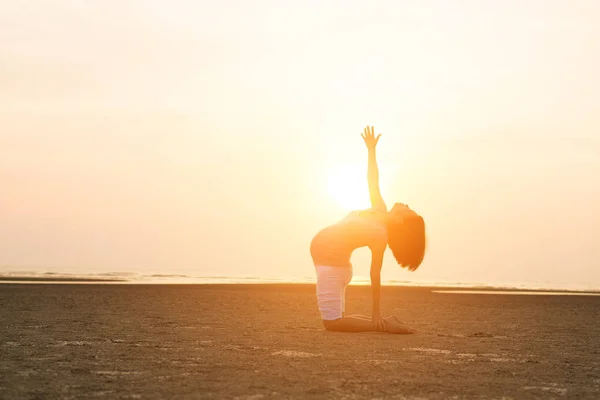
pixel 136 278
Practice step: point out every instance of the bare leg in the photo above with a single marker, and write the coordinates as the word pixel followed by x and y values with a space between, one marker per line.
pixel 392 319
pixel 350 324
pixel 359 317
pixel 359 323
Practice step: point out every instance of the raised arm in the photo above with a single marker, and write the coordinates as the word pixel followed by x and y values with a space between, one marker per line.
pixel 373 170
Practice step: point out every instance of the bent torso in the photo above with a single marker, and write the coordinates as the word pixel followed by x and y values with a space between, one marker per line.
pixel 334 245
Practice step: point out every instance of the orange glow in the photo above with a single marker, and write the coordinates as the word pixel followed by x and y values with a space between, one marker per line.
pixel 347 185
pixel 208 140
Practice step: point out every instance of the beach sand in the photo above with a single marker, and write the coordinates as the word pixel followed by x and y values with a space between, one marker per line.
pixel 266 341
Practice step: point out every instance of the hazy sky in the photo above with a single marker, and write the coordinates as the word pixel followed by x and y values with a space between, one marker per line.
pixel 216 137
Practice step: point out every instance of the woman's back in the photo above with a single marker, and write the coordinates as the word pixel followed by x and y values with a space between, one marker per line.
pixel 333 246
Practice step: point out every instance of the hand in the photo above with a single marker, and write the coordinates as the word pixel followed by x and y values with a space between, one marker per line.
pixel 370 138
pixel 378 322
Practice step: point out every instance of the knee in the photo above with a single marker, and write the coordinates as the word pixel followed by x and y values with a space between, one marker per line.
pixel 331 325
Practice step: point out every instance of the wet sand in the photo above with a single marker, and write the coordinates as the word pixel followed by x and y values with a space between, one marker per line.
pixel 266 341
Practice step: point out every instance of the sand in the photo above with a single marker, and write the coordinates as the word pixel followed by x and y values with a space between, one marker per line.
pixel 266 341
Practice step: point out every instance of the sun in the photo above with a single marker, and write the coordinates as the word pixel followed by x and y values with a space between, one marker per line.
pixel 347 186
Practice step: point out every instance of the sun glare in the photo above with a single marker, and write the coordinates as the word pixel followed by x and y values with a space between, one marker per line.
pixel 347 186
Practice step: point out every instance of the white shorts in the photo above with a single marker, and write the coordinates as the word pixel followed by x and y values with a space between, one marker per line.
pixel 331 290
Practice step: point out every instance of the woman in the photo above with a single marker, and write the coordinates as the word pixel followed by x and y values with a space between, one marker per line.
pixel 401 229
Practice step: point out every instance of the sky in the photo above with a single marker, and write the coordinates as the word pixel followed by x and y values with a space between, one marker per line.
pixel 216 138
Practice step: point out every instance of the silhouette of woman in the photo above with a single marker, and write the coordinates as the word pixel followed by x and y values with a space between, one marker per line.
pixel 401 229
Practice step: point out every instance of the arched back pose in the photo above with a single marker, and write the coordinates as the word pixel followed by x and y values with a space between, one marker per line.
pixel 401 229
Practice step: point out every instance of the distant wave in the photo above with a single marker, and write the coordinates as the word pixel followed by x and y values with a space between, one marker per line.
pixel 157 278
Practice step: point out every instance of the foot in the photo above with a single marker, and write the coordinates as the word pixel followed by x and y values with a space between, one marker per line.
pixel 394 325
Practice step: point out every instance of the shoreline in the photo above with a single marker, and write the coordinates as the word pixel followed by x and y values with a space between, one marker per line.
pixel 27 279
pixel 439 289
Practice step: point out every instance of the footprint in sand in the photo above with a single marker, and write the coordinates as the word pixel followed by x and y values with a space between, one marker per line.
pixel 118 373
pixel 250 397
pixel 551 388
pixel 425 350
pixel 72 343
pixel 291 353
pixel 481 335
pixel 378 362
pixel 456 335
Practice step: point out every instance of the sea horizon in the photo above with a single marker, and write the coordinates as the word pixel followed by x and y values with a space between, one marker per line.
pixel 157 278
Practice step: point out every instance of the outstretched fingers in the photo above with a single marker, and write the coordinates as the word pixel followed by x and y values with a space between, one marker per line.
pixel 369 137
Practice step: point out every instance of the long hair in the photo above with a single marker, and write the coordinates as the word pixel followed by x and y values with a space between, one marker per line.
pixel 406 239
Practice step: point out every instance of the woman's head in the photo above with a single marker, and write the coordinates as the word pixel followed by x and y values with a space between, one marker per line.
pixel 406 236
